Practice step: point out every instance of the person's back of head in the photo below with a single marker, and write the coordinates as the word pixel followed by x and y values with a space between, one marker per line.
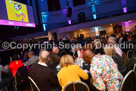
pixel 109 50
pixel 30 54
pixel 88 56
pixel 55 50
pixel 66 60
pixel 15 57
pixel 44 56
pixel 112 40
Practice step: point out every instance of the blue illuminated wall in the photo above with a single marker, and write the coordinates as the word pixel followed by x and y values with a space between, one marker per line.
pixel 102 9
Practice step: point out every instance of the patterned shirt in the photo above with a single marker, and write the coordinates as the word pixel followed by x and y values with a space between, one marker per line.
pixel 105 73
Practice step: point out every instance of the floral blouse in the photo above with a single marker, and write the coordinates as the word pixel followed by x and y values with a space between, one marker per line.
pixel 105 73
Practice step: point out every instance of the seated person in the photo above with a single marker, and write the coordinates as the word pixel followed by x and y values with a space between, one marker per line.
pixel 43 76
pixel 55 58
pixel 98 47
pixel 4 81
pixel 15 64
pixel 69 72
pixel 112 41
pixel 79 56
pixel 104 72
pixel 32 59
pixel 86 67
pixel 122 67
pixel 2 70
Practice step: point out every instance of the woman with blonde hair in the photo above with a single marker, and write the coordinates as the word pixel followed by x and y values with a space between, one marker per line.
pixel 69 72
pixel 110 51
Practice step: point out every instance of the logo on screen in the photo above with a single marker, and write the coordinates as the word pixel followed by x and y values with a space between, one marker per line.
pixel 17 7
pixel 16 11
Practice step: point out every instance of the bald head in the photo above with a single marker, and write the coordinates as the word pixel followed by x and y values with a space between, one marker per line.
pixel 44 55
pixel 88 55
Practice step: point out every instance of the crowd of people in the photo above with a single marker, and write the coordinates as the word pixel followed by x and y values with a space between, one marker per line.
pixel 102 65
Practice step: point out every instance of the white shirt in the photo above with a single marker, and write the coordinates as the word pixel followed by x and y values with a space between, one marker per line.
pixel 43 64
pixel 78 53
pixel 118 50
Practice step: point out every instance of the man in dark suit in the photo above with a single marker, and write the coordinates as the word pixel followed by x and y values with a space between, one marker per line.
pixel 55 58
pixel 42 75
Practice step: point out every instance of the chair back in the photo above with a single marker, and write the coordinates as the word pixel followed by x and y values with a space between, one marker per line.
pixel 76 86
pixel 33 85
pixel 134 67
pixel 128 81
pixel 21 76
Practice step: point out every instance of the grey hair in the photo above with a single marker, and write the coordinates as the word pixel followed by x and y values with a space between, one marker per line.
pixel 112 40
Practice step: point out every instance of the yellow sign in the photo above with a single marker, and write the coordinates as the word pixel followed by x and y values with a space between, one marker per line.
pixel 16 11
